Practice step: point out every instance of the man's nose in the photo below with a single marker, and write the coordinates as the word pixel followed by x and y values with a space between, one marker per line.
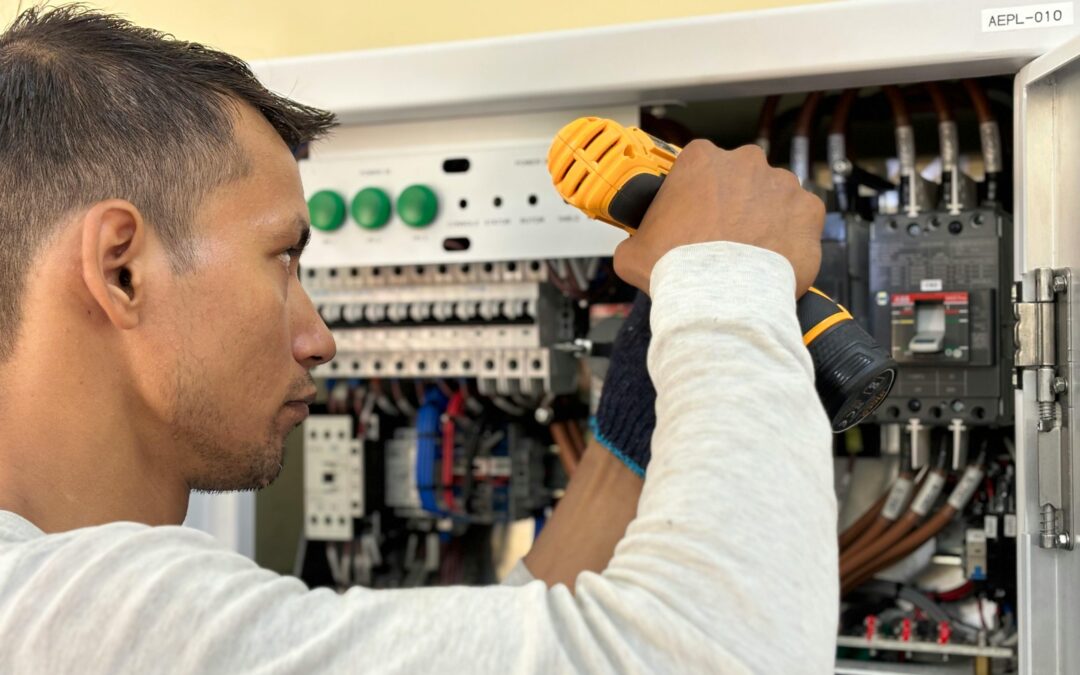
pixel 312 342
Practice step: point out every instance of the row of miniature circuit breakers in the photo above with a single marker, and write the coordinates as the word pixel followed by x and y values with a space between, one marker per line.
pixel 499 323
pixel 318 280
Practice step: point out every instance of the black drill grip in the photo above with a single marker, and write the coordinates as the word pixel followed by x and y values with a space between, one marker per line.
pixel 853 374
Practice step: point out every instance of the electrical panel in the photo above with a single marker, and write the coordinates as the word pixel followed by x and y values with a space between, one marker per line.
pixel 460 335
pixel 460 364
pixel 463 294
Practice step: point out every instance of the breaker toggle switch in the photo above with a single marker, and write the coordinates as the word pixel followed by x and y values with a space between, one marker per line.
pixel 929 328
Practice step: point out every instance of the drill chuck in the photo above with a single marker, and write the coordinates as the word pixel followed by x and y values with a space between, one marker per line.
pixel 612 173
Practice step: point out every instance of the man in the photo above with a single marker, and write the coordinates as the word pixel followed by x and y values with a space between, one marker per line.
pixel 155 339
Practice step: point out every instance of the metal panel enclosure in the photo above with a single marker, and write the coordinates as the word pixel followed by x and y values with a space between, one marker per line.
pixel 1048 205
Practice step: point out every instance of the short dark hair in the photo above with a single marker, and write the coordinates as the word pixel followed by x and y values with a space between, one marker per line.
pixel 93 107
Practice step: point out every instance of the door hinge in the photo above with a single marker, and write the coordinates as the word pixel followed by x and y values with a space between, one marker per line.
pixel 1042 306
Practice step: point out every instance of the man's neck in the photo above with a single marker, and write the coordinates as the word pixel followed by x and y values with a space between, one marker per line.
pixel 71 453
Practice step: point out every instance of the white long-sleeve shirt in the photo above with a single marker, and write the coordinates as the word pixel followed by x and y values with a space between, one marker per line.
pixel 729 567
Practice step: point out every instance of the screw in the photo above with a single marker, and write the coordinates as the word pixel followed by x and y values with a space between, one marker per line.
pixel 1060 385
pixel 1061 284
pixel 543 415
pixel 1063 540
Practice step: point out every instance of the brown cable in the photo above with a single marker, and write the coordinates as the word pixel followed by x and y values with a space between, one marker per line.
pixel 877 527
pixel 941 104
pixel 805 121
pixel 899 108
pixel 979 101
pixel 881 523
pixel 566 448
pixel 852 560
pixel 843 111
pixel 958 500
pixel 765 118
pixel 900 550
pixel 853 531
pixel 576 437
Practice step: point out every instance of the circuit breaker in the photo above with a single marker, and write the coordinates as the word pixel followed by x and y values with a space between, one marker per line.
pixel 498 322
pixel 940 293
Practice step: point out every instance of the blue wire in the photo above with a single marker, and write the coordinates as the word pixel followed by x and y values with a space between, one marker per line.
pixel 427 446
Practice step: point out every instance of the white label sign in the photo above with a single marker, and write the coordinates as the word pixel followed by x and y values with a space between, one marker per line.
pixel 930 285
pixel 1047 15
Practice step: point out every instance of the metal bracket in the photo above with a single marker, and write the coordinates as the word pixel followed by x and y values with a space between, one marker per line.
pixel 1045 338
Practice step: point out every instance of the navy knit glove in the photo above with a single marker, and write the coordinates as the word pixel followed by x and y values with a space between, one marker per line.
pixel 626 415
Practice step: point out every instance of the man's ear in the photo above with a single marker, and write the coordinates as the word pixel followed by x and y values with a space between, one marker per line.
pixel 114 259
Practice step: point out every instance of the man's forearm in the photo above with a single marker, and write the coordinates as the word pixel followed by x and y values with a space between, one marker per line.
pixel 589 521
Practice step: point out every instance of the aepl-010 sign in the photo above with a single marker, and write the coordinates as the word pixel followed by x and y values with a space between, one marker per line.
pixel 1049 15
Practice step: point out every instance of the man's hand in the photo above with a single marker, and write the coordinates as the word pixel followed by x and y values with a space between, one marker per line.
pixel 717 195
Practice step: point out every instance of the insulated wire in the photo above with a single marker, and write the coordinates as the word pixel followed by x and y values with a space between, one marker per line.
pixel 957 502
pixel 853 560
pixel 905 149
pixel 838 152
pixel 902 491
pixel 949 147
pixel 800 140
pixel 843 111
pixel 859 526
pixel 990 137
pixel 454 409
pixel 941 105
pixel 765 123
pixel 948 140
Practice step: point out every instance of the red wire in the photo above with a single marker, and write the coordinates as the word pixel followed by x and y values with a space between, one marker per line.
pixel 958 593
pixel 455 407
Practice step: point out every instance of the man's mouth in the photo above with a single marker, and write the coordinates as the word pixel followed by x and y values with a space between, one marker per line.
pixel 307 398
pixel 301 404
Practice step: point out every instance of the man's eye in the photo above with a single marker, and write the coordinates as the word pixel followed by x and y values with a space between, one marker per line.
pixel 291 255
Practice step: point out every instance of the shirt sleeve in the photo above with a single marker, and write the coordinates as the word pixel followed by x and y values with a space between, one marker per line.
pixel 729 567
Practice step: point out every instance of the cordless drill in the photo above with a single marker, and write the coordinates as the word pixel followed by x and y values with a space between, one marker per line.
pixel 612 173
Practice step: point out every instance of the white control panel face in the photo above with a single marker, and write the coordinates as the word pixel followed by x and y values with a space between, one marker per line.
pixel 420 206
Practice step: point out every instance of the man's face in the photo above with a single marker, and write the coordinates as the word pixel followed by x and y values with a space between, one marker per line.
pixel 236 336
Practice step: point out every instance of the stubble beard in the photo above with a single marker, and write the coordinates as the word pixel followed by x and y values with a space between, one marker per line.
pixel 221 462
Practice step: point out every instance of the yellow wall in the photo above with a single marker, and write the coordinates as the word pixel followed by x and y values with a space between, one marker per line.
pixel 259 29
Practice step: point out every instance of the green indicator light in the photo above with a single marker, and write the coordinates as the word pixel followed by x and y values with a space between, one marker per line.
pixel 418 205
pixel 371 208
pixel 327 210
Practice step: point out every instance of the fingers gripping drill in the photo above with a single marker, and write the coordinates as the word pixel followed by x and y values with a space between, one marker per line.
pixel 612 173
